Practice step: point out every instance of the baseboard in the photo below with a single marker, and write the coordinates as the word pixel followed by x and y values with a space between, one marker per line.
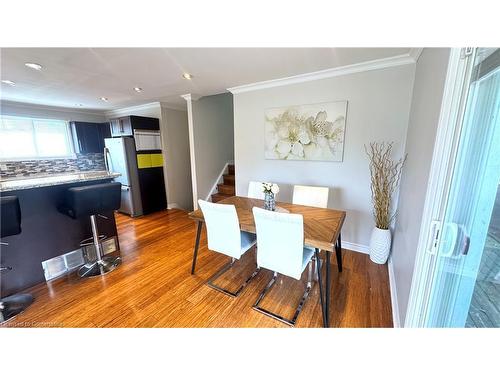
pixel 394 295
pixel 355 247
pixel 172 205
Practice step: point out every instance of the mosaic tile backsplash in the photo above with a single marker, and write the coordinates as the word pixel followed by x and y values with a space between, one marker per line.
pixel 28 168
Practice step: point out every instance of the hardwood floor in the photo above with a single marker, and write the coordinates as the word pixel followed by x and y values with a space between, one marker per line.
pixel 154 288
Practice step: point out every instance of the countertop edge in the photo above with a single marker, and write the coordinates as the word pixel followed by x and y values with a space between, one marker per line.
pixel 36 185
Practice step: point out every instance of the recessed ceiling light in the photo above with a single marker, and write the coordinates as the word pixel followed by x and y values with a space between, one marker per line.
pixel 137 89
pixel 187 76
pixel 33 66
pixel 8 82
pixel 104 99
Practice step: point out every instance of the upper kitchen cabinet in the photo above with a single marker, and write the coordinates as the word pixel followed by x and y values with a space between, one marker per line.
pixel 125 126
pixel 121 127
pixel 89 136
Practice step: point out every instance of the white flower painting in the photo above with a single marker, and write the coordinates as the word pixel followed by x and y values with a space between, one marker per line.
pixel 306 132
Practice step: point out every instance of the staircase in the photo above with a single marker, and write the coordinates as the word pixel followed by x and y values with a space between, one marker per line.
pixel 226 189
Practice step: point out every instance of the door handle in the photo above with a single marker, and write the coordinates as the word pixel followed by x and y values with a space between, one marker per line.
pixel 454 233
pixel 432 243
pixel 106 160
pixel 466 245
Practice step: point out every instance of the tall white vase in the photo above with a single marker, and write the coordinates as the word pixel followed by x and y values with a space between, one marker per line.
pixel 380 245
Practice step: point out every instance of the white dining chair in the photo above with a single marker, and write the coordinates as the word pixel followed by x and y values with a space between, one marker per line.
pixel 224 236
pixel 255 190
pixel 280 248
pixel 315 196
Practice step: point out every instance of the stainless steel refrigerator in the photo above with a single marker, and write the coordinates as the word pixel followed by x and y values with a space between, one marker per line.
pixel 120 157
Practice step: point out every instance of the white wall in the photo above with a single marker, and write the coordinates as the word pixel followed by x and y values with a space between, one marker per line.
pixel 428 88
pixel 56 113
pixel 177 159
pixel 378 110
pixel 213 139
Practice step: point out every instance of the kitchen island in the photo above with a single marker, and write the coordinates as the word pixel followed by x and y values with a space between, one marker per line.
pixel 46 233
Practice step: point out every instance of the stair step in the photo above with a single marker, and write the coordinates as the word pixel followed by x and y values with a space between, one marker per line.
pixel 230 169
pixel 226 189
pixel 228 179
pixel 218 197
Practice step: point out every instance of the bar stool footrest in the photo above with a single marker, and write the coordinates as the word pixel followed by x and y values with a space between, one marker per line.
pixel 90 241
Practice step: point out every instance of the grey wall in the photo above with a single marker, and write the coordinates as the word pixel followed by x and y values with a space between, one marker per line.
pixel 213 139
pixel 177 160
pixel 378 110
pixel 428 88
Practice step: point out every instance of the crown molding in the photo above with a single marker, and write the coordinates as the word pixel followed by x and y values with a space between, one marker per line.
pixel 328 73
pixel 33 106
pixel 415 53
pixel 127 110
pixel 191 97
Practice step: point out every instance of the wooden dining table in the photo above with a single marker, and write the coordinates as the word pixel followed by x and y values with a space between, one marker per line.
pixel 322 231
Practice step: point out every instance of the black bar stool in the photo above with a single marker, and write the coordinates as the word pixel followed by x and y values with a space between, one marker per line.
pixel 90 201
pixel 10 223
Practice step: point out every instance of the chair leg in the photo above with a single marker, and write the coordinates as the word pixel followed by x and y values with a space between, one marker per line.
pixel 320 283
pixel 299 307
pixel 225 268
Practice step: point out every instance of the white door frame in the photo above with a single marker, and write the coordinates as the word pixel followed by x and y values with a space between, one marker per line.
pixel 445 149
pixel 189 99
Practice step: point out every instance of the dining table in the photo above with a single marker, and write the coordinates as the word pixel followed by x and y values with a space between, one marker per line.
pixel 322 231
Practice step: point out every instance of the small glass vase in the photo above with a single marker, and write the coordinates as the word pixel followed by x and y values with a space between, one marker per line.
pixel 269 202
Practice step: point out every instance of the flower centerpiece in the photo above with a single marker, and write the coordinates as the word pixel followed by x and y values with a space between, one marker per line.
pixel 270 190
pixel 385 177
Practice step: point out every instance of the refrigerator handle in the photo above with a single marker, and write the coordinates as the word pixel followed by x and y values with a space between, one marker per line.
pixel 106 163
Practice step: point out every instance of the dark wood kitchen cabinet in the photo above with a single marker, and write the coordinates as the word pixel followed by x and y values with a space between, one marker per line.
pixel 124 126
pixel 89 136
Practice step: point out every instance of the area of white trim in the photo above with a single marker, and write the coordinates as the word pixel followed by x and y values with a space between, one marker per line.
pixel 445 148
pixel 219 180
pixel 396 321
pixel 189 100
pixel 356 247
pixel 172 205
pixel 126 111
pixel 415 53
pixel 329 73
pixel 188 97
pixel 50 108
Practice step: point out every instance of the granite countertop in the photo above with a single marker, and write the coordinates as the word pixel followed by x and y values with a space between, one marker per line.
pixel 21 183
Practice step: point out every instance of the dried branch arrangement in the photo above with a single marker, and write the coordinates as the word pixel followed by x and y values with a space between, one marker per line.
pixel 385 178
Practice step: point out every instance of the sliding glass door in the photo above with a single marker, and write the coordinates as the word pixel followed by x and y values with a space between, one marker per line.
pixel 464 287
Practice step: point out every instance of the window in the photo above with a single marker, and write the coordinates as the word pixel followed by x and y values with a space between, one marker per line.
pixel 29 138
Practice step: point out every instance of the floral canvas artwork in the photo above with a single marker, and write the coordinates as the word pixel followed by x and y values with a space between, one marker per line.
pixel 306 132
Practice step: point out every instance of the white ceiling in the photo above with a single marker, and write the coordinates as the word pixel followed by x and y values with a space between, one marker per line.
pixel 73 76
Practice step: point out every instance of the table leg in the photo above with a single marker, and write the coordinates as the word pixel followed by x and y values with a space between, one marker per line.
pixel 327 290
pixel 338 252
pixel 196 245
pixel 318 268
